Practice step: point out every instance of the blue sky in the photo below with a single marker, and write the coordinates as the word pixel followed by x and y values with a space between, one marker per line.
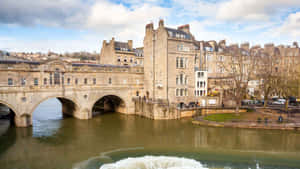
pixel 82 25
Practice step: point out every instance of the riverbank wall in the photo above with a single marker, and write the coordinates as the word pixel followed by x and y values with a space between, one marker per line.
pixel 249 125
pixel 160 109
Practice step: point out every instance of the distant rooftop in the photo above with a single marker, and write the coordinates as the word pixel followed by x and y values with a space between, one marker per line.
pixel 175 33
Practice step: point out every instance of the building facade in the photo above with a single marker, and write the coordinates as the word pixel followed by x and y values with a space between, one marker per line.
pixel 173 59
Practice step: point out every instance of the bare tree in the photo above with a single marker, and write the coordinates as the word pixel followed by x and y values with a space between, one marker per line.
pixel 287 82
pixel 239 67
pixel 267 72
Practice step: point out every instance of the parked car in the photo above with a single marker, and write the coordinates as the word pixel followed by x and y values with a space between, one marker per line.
pixel 292 100
pixel 279 102
pixel 246 102
pixel 192 104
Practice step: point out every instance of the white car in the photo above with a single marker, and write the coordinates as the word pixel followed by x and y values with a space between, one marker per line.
pixel 279 102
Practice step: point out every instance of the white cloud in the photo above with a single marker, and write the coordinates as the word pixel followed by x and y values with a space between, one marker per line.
pixel 201 32
pixel 100 16
pixel 83 43
pixel 122 22
pixel 45 12
pixel 253 10
pixel 290 27
pixel 195 8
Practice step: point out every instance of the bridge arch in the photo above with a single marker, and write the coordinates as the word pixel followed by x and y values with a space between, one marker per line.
pixel 70 106
pixel 108 103
pixel 12 111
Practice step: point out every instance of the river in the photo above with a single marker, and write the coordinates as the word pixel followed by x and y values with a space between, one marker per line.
pixel 55 142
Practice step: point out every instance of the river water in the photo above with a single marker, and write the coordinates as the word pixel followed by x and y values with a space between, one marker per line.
pixel 116 141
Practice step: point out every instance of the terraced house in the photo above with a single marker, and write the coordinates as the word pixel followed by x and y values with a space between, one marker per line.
pixel 180 70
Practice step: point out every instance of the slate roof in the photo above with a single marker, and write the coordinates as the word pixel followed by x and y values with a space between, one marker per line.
pixel 120 45
pixel 18 62
pixel 176 31
pixel 99 65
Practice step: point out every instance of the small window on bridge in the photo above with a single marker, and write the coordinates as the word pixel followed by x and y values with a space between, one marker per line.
pixel 94 81
pixel 45 81
pixel 36 81
pixel 10 81
pixel 50 78
pixel 23 81
pixel 57 77
pixel 85 81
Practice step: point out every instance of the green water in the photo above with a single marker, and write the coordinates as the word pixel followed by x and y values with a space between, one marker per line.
pixel 68 143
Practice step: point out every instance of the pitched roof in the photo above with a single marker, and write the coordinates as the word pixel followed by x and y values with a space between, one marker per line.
pixel 120 45
pixel 176 31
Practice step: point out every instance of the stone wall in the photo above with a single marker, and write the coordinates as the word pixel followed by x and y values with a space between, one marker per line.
pixel 157 110
pixel 207 111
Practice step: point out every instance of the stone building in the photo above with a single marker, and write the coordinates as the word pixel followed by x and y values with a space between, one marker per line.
pixel 173 59
pixel 120 53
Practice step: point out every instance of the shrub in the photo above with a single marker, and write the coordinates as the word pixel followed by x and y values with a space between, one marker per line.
pixel 258 120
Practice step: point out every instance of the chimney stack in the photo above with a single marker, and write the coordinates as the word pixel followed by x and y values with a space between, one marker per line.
pixel 161 23
pixel 130 44
pixel 184 28
pixel 149 27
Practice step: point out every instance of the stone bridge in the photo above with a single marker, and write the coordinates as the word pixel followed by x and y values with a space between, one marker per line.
pixel 78 86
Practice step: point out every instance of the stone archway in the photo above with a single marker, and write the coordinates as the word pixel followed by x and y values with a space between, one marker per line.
pixel 7 112
pixel 69 106
pixel 109 103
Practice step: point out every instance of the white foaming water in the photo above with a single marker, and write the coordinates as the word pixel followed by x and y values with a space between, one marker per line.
pixel 155 162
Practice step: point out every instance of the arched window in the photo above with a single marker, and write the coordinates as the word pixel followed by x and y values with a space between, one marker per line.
pixel 56 77
pixel 45 81
pixel 109 81
pixel 137 93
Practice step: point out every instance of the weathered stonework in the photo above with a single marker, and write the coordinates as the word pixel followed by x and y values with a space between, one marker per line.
pixel 79 87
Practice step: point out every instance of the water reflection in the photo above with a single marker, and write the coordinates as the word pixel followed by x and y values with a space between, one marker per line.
pixel 69 141
pixel 46 119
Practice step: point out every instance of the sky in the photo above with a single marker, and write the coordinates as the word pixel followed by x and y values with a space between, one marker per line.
pixel 81 25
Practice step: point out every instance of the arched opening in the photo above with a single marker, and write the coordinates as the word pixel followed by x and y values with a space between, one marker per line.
pixel 49 115
pixel 108 104
pixel 7 116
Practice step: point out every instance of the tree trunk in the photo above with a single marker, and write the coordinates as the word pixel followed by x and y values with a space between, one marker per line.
pixel 286 106
pixel 237 108
pixel 266 101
